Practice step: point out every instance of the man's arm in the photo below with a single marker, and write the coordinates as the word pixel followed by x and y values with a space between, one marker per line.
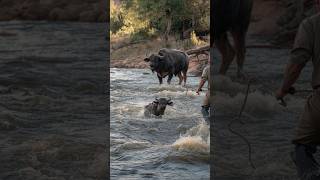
pixel 300 55
pixel 204 78
pixel 201 84
pixel 291 75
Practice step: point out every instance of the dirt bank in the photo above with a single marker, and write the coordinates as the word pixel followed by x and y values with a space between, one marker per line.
pixel 125 54
pixel 195 66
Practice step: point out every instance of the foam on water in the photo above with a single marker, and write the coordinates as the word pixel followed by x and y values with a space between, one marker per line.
pixel 162 87
pixel 133 145
pixel 226 85
pixel 185 93
pixel 127 110
pixel 258 104
pixel 191 144
pixel 197 139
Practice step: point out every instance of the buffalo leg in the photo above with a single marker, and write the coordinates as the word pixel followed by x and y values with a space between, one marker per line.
pixel 184 78
pixel 180 78
pixel 239 42
pixel 226 51
pixel 169 78
pixel 160 79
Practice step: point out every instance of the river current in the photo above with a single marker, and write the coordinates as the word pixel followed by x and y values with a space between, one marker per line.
pixel 175 146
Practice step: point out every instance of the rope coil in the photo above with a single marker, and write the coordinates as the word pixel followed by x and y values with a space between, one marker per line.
pixel 238 118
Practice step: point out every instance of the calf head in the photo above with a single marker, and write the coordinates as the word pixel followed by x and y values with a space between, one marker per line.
pixel 161 104
pixel 155 61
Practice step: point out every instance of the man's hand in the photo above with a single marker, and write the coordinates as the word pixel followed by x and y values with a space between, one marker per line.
pixel 198 91
pixel 291 75
pixel 280 94
pixel 202 82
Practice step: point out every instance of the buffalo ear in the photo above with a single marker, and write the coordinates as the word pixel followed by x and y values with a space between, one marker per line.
pixel 146 59
pixel 170 103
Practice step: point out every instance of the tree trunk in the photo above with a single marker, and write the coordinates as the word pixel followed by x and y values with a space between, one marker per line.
pixel 168 28
pixel 193 22
pixel 197 51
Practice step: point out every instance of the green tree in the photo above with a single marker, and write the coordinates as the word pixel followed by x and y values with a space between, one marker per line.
pixel 116 17
pixel 163 16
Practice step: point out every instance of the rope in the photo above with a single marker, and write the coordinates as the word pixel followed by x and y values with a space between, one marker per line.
pixel 238 118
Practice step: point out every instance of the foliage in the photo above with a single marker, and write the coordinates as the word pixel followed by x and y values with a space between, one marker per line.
pixel 128 22
pixel 116 17
pixel 148 18
pixel 195 40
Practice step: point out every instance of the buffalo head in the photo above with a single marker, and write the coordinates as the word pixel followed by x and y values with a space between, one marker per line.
pixel 155 61
pixel 161 104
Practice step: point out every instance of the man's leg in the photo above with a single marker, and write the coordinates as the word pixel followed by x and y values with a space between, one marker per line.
pixel 206 107
pixel 307 166
pixel 307 139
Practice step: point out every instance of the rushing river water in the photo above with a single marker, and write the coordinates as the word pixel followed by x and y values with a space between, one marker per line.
pixel 175 146
pixel 53 103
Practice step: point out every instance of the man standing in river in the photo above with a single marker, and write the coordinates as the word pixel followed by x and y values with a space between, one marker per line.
pixel 306 47
pixel 206 102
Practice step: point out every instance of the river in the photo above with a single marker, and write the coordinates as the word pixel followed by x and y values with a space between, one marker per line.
pixel 53 108
pixel 175 146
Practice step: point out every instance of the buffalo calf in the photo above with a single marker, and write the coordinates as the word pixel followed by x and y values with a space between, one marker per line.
pixel 157 107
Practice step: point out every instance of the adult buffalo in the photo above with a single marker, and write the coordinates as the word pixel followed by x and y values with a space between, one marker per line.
pixel 169 62
pixel 231 16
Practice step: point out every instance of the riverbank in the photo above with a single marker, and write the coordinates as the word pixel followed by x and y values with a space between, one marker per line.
pixel 127 54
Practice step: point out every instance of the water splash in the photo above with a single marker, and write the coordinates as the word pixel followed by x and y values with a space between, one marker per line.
pixel 196 139
pixel 226 85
